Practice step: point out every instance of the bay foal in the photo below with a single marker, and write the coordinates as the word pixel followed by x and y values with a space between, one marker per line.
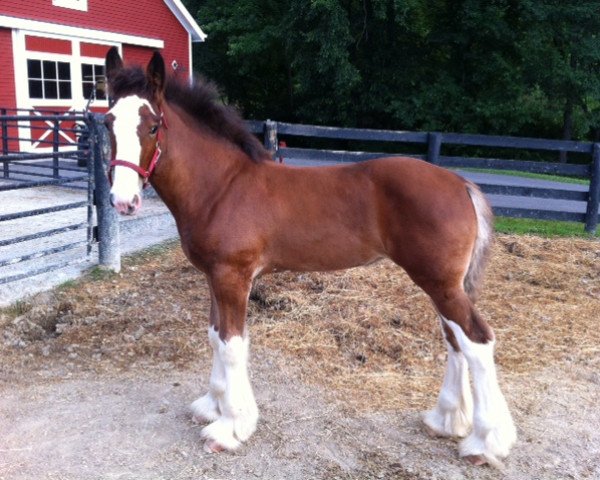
pixel 240 215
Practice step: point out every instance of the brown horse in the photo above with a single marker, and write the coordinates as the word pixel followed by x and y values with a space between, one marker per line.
pixel 240 215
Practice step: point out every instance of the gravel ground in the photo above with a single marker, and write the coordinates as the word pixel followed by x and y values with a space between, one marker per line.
pixel 136 426
pixel 97 376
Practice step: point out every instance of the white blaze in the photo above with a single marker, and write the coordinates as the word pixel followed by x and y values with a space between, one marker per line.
pixel 126 182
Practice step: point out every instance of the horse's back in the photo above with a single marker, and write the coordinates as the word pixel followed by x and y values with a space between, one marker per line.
pixel 412 176
pixel 417 188
pixel 400 192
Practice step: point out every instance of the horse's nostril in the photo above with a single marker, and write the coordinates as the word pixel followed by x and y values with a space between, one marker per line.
pixel 112 199
pixel 136 200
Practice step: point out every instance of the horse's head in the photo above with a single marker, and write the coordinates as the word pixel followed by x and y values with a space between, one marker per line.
pixel 134 124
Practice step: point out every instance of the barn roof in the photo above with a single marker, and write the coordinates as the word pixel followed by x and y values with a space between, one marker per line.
pixel 186 20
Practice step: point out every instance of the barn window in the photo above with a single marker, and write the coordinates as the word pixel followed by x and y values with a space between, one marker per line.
pixel 92 76
pixel 49 79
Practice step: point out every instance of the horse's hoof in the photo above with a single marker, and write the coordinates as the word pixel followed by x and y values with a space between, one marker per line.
pixel 219 436
pixel 476 460
pixel 212 446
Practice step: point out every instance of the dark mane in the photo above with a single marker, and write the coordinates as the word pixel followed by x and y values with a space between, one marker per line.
pixel 200 100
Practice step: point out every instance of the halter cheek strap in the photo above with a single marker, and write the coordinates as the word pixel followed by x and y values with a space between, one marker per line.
pixel 144 174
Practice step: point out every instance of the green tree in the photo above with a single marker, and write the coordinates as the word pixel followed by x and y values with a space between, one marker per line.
pixel 521 67
pixel 244 53
pixel 281 59
pixel 323 78
pixel 561 56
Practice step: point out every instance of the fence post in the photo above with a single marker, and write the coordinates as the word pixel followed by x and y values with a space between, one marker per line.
pixel 109 244
pixel 434 145
pixel 5 141
pixel 270 137
pixel 55 142
pixel 591 214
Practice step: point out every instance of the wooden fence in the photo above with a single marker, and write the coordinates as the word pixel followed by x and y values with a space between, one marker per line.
pixel 433 142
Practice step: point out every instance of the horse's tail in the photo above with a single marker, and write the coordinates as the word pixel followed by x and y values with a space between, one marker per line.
pixel 483 242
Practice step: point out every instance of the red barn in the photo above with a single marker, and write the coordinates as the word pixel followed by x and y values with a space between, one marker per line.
pixel 52 51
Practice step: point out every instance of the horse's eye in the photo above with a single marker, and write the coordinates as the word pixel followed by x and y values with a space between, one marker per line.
pixel 153 130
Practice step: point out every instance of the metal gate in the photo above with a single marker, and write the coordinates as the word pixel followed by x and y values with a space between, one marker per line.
pixel 46 192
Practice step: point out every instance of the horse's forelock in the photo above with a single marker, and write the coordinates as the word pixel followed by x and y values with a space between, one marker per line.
pixel 129 81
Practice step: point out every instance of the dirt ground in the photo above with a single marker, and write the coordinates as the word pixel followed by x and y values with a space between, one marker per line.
pixel 96 376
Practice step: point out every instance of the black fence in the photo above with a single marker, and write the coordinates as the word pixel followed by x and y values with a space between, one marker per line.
pixel 39 144
pixel 41 231
pixel 278 136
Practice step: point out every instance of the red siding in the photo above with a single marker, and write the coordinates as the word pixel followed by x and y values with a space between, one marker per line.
pixel 135 55
pixel 7 75
pixel 94 50
pixel 147 18
pixel 50 45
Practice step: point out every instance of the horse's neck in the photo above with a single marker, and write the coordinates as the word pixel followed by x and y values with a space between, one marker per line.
pixel 195 168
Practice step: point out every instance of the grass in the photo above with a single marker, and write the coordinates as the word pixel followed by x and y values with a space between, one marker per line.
pixel 537 176
pixel 98 274
pixel 149 253
pixel 68 285
pixel 543 228
pixel 20 307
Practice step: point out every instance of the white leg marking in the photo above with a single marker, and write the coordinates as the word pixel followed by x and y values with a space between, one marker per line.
pixel 238 408
pixel 453 414
pixel 207 408
pixel 494 432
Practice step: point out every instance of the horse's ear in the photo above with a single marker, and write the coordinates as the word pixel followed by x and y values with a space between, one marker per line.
pixel 113 62
pixel 156 73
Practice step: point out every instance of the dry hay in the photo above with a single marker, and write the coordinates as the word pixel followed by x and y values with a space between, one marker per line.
pixel 368 334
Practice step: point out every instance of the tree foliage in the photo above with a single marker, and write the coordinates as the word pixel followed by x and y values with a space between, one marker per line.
pixel 521 67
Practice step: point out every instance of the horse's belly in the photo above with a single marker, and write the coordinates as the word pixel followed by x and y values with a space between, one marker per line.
pixel 323 254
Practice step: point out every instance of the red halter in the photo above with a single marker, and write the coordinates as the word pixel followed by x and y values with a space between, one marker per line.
pixel 144 174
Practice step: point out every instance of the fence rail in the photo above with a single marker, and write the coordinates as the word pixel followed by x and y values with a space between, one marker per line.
pixel 432 144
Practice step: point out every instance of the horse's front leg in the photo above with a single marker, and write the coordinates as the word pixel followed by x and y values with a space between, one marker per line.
pixel 207 408
pixel 236 404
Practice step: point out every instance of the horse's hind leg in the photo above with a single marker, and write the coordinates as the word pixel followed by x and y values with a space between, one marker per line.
pixel 493 432
pixel 453 414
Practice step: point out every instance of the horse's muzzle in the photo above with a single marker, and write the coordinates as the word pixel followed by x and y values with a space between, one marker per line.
pixel 126 207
